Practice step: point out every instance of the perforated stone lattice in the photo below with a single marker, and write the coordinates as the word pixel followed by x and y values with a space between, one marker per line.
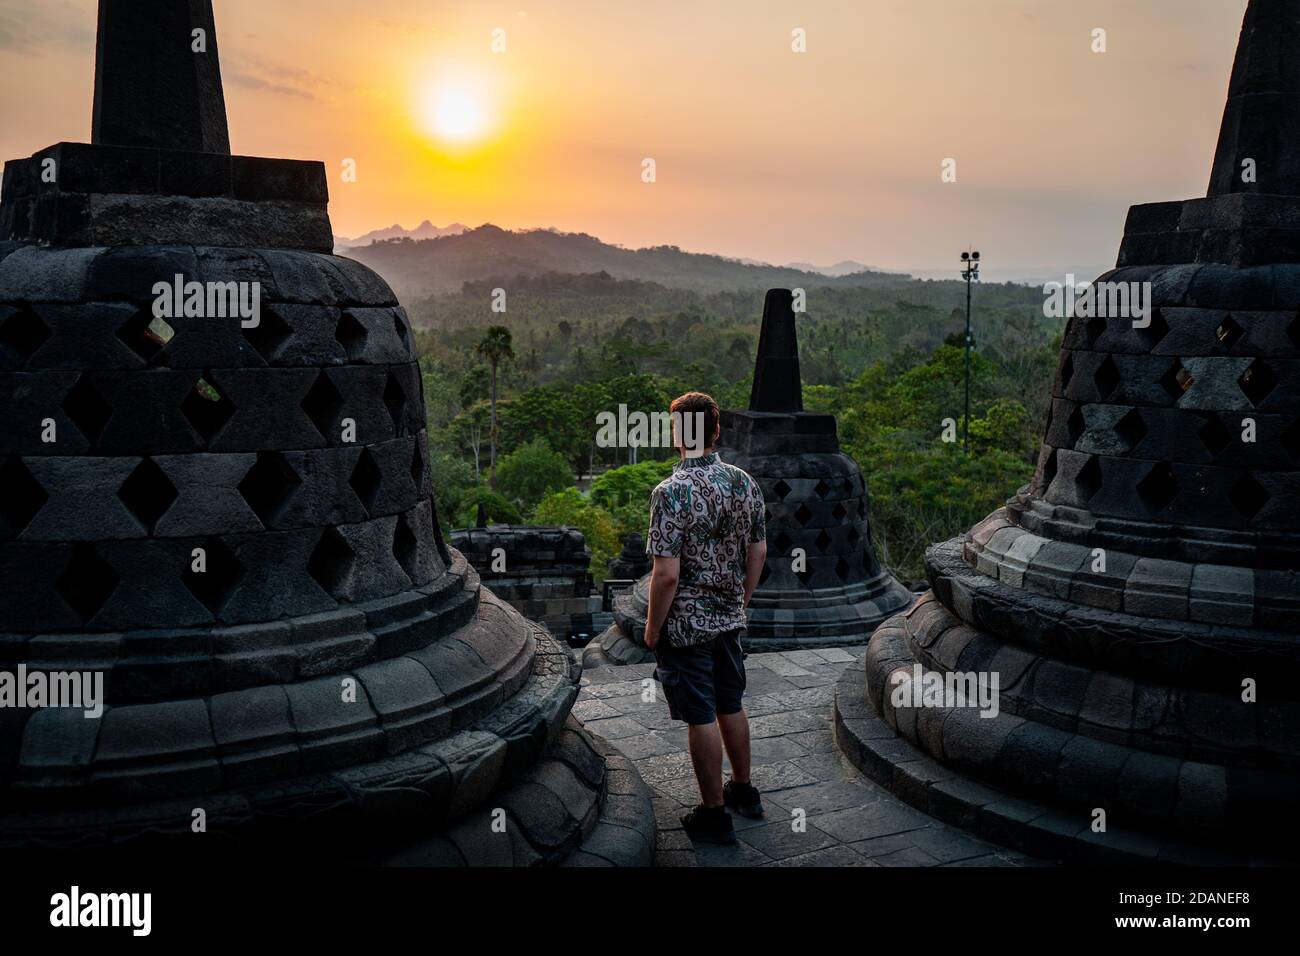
pixel 1179 393
pixel 158 396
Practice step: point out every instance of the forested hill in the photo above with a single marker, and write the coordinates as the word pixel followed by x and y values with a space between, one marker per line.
pixel 435 266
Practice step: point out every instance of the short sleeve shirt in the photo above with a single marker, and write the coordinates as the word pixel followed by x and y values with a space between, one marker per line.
pixel 706 513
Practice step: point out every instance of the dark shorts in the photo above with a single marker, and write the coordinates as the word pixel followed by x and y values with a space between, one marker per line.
pixel 703 680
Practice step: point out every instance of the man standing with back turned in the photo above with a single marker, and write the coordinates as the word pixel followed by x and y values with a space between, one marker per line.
pixel 708 540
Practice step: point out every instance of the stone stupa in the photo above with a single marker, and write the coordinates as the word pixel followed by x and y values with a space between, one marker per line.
pixel 1140 600
pixel 235 525
pixel 822 585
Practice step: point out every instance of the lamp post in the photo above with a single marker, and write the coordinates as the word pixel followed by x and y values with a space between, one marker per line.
pixel 970 271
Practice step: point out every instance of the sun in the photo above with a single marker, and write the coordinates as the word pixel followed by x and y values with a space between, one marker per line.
pixel 456 116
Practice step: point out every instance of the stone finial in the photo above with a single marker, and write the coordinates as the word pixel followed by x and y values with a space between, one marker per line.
pixel 1261 120
pixel 777 383
pixel 157 80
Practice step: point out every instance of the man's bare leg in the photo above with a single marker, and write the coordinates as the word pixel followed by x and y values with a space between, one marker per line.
pixel 706 757
pixel 735 736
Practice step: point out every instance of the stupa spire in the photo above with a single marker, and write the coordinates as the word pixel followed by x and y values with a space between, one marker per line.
pixel 1261 119
pixel 158 78
pixel 777 384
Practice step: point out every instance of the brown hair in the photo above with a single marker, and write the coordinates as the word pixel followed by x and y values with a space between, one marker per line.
pixel 697 402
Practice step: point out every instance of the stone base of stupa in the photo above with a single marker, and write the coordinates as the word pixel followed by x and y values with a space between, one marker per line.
pixel 498 774
pixel 1102 716
pixel 837 617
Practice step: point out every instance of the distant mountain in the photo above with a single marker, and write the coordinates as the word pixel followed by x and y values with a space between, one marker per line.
pixel 846 268
pixel 444 264
pixel 425 230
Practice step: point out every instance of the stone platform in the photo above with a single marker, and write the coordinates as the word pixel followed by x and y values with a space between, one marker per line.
pixel 851 821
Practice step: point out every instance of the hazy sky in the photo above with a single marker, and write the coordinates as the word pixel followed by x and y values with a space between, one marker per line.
pixel 761 152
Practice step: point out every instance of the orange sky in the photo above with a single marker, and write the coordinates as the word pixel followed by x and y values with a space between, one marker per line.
pixel 761 152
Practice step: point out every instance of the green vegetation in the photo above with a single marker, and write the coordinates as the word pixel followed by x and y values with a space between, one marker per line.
pixel 886 360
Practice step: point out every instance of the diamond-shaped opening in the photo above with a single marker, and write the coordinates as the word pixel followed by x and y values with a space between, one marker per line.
pixel 1229 332
pixel 406 549
pixel 24 333
pixel 853 536
pixel 1154 333
pixel 821 489
pixel 417 470
pixel 1293 330
pixel 1067 372
pixel 402 333
pixel 1257 381
pixel 331 562
pixel 1107 378
pixel 1215 436
pixel 1248 496
pixel 804 576
pixel 862 507
pixel 87 582
pixel 1049 470
pixel 147 493
pixel 839 512
pixel 1159 488
pixel 87 409
pixel 269 485
pixel 395 400
pixel 764 575
pixel 1094 330
pixel 270 333
pixel 1176 380
pixel 207 409
pixel 803 514
pixel 781 489
pixel 21 499
pixel 1131 429
pixel 823 540
pixel 366 479
pixel 146 335
pixel 1088 481
pixel 842 569
pixel 782 542
pixel 221 572
pixel 1075 425
pixel 323 404
pixel 351 334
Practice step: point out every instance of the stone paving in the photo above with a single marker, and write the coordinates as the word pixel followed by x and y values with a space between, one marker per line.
pixel 796 764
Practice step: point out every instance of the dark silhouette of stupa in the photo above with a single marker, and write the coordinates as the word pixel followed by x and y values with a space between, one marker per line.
pixel 822 585
pixel 234 524
pixel 1140 601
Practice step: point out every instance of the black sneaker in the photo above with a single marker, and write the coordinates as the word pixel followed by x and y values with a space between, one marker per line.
pixel 709 825
pixel 743 798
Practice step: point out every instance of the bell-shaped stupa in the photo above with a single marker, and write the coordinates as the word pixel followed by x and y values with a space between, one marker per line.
pixel 217 501
pixel 1139 602
pixel 822 585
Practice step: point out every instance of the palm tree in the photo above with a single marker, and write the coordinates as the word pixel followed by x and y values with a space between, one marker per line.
pixel 495 348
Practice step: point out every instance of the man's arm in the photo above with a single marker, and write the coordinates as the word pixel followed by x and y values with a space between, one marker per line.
pixel 663 586
pixel 755 555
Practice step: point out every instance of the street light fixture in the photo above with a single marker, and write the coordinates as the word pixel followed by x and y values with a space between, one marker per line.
pixel 970 271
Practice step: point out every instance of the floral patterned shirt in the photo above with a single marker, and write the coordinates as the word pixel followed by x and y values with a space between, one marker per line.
pixel 707 513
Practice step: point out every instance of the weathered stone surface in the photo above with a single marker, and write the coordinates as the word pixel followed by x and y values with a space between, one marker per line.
pixel 1135 588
